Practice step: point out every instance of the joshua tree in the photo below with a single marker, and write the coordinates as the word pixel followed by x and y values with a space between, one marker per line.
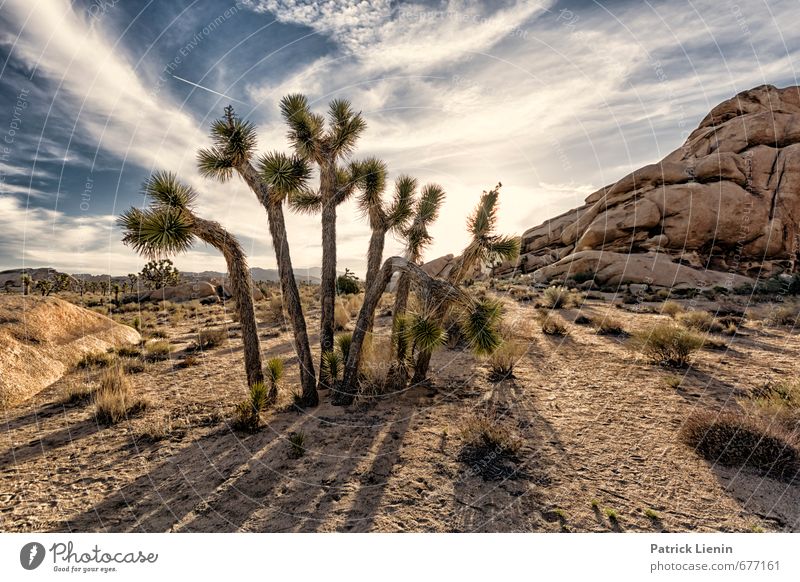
pixel 234 148
pixel 417 237
pixel 27 281
pixel 327 148
pixel 383 218
pixel 169 226
pixel 62 282
pixel 134 279
pixel 479 318
pixel 104 288
pixel 45 286
pixel 159 274
pixel 7 286
pixel 484 248
pixel 81 285
pixel 115 288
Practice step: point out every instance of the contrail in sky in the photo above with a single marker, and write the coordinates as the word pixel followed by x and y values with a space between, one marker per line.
pixel 209 90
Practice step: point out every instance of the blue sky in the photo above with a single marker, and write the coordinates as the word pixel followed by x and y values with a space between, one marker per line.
pixel 554 99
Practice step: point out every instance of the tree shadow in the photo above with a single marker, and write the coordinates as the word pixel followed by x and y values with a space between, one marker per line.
pixel 51 443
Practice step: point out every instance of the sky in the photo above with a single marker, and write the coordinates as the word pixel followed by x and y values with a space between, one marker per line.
pixel 554 99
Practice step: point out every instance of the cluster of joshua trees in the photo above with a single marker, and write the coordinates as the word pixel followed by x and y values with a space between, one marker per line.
pixel 323 146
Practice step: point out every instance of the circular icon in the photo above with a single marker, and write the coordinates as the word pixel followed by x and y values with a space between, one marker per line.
pixel 31 555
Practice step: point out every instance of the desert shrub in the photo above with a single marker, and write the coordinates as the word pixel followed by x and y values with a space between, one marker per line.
pixel 158 333
pixel 671 308
pixel 297 442
pixel 780 401
pixel 553 325
pixel 738 440
pixel 155 429
pixel 784 315
pixel 502 361
pixel 157 351
pixel 114 400
pixel 668 344
pixel 274 373
pixel 699 320
pixel 95 360
pixel 341 316
pixel 248 412
pixel 608 325
pixel 347 284
pixel 210 338
pixel 490 446
pixel 559 296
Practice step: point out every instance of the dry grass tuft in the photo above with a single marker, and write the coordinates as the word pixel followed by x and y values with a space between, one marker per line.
pixel 157 351
pixel 95 360
pixel 502 361
pixel 491 446
pixel 376 365
pixel 553 325
pixel 341 316
pixel 210 338
pixel 559 296
pixel 671 308
pixel 608 325
pixel 113 399
pixel 699 320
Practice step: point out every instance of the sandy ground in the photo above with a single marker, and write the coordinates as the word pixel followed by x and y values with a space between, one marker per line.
pixel 598 423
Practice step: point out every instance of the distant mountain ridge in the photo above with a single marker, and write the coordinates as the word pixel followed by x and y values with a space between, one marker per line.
pixel 311 275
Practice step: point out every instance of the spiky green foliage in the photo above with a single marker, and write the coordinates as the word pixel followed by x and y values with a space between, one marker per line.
pixel 156 233
pixel 234 142
pixel 425 213
pixel 479 326
pixel 424 332
pixel 285 175
pixel 305 128
pixel 332 365
pixel 485 247
pixel 346 126
pixel 343 343
pixel 274 370
pixel 164 189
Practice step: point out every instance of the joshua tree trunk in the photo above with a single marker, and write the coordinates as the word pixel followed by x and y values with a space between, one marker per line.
pixel 291 295
pixel 241 289
pixel 429 287
pixel 421 367
pixel 328 282
pixel 375 255
pixel 328 276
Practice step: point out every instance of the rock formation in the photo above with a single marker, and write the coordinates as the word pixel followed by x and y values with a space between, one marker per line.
pixel 723 209
pixel 42 337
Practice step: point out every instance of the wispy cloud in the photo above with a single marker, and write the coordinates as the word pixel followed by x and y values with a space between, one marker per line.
pixel 553 103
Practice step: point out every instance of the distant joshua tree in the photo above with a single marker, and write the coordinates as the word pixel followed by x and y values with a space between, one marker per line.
pixel 45 286
pixel 62 282
pixel 115 289
pixel 27 281
pixel 104 285
pixel 7 287
pixel 170 226
pixel 157 274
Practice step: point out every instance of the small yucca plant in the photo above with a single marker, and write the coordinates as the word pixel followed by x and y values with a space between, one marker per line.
pixel 248 411
pixel 274 375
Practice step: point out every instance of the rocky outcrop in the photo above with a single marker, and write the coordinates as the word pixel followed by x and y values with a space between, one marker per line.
pixel 724 208
pixel 41 338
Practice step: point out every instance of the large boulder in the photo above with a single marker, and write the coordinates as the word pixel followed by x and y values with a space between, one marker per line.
pixel 182 292
pixel 41 338
pixel 725 206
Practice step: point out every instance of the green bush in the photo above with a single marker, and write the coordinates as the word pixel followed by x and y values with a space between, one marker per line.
pixel 668 344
